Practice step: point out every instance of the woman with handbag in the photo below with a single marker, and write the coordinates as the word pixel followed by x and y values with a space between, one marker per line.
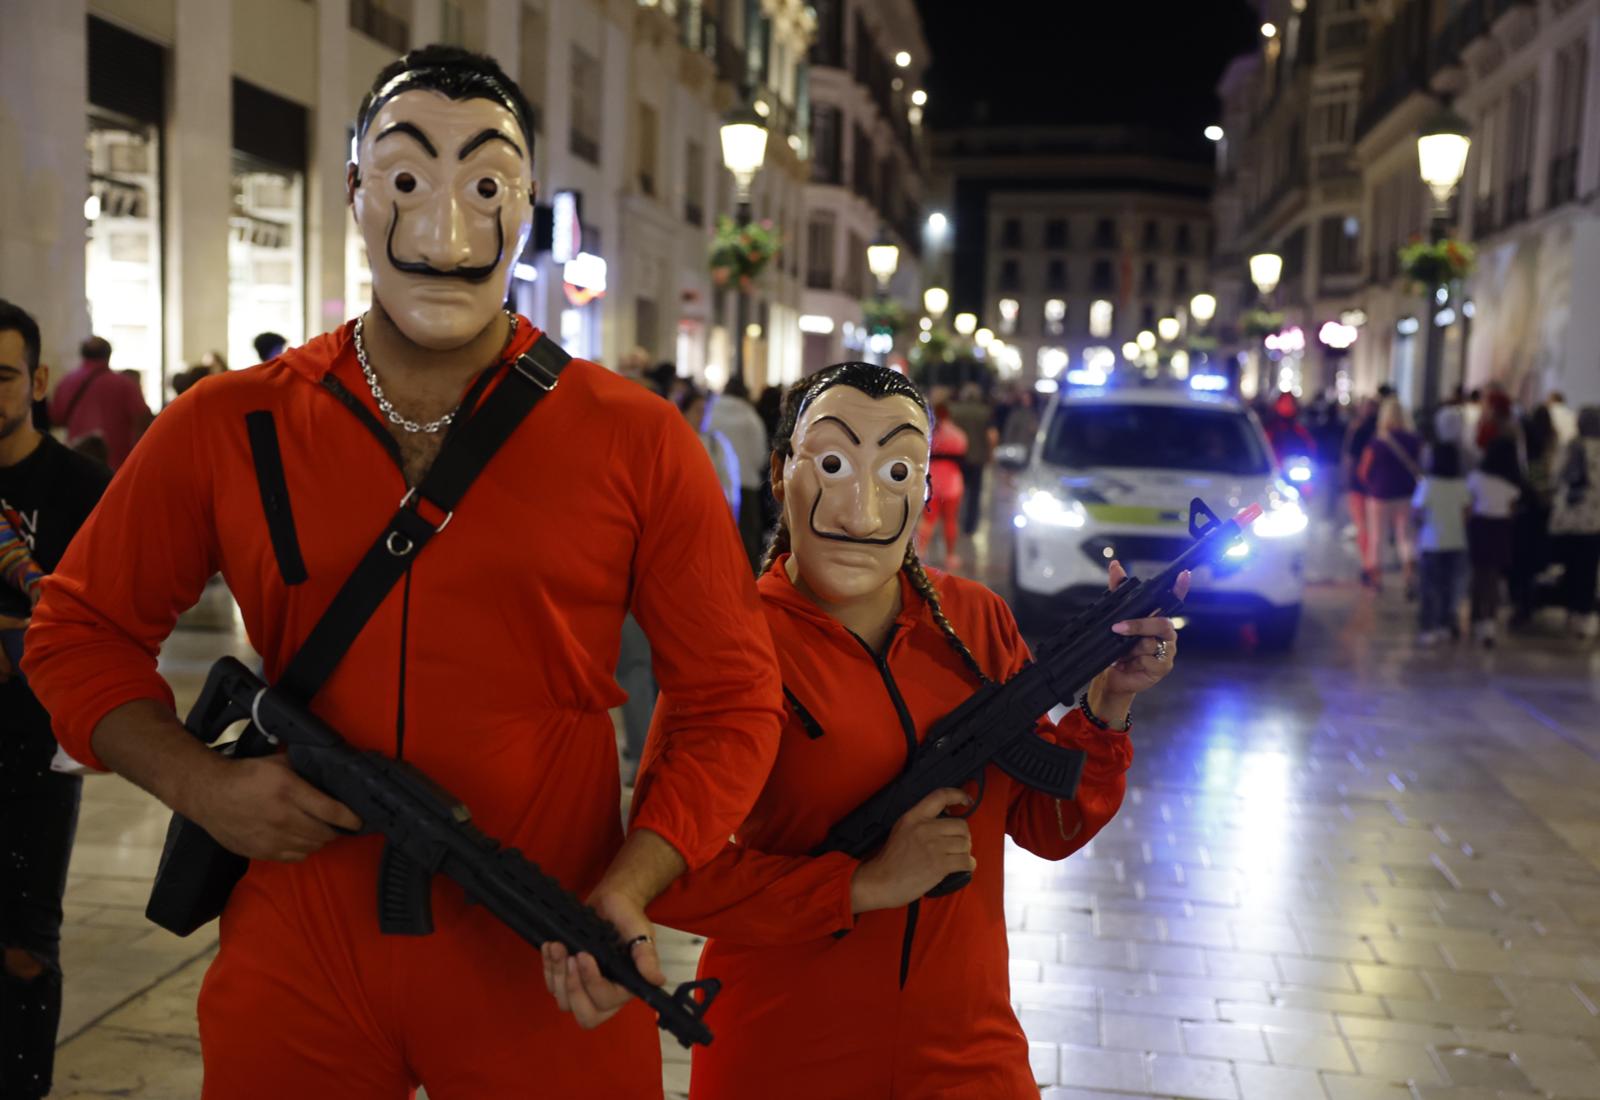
pixel 1389 472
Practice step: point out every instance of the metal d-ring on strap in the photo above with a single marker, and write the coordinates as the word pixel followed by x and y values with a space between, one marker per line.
pixel 398 543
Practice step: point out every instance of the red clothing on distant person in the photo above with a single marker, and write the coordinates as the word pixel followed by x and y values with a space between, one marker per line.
pixel 111 407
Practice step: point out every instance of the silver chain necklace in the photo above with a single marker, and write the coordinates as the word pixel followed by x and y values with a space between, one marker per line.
pixel 385 406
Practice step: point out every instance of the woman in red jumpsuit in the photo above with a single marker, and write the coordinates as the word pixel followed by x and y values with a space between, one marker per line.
pixel 840 979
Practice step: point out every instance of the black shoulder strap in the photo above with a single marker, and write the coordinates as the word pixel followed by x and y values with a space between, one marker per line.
pixel 423 512
pixel 72 406
pixel 275 495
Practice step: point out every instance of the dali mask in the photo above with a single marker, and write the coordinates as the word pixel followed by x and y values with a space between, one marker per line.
pixel 443 195
pixel 854 487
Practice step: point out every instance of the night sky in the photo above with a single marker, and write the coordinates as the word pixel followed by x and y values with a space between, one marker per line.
pixel 1153 62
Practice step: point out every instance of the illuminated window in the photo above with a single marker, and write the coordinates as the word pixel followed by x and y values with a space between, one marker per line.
pixel 1102 316
pixel 1009 308
pixel 1055 316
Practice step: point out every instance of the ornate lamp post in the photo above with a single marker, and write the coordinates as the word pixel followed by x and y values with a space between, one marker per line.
pixel 1442 149
pixel 744 150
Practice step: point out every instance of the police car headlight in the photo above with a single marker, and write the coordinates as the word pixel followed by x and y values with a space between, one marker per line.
pixel 1284 518
pixel 1299 470
pixel 1043 506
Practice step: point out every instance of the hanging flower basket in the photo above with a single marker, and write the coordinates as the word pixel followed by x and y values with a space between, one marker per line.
pixel 1431 264
pixel 740 253
pixel 1260 323
pixel 883 315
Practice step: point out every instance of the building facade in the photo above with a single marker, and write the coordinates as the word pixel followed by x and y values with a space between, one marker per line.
pixel 1525 77
pixel 867 168
pixel 1068 242
pixel 1287 183
pixel 179 168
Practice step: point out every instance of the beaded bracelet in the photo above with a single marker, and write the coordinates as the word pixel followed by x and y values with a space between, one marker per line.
pixel 1096 721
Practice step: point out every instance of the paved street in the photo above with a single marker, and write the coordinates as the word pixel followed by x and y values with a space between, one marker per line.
pixel 1359 872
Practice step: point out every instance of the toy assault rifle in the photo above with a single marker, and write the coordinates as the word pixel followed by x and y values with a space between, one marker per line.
pixel 996 723
pixel 429 832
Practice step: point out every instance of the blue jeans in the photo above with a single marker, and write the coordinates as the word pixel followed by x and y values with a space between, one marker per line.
pixel 1441 572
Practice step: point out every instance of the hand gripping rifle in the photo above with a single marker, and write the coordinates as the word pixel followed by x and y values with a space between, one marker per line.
pixel 996 723
pixel 429 832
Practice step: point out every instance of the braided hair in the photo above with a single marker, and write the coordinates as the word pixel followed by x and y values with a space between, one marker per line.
pixel 875 382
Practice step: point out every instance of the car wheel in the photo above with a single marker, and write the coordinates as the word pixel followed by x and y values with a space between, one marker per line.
pixel 1277 628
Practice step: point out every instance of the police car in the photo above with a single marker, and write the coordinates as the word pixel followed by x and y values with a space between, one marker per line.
pixel 1110 475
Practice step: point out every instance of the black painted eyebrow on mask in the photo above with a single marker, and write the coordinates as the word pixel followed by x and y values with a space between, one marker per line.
pixel 483 138
pixel 412 130
pixel 854 438
pixel 892 432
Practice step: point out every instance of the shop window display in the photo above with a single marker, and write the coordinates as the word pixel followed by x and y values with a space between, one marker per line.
pixel 122 246
pixel 266 257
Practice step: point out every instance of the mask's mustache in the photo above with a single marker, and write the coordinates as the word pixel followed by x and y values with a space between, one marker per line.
pixel 891 540
pixel 420 267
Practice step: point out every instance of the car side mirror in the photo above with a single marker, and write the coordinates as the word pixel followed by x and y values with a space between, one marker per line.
pixel 1011 456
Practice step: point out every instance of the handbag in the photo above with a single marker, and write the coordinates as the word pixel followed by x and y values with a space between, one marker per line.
pixel 196 874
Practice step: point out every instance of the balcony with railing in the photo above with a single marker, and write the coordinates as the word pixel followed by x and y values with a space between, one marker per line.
pixel 1564 177
pixel 1485 215
pixel 370 18
pixel 1517 200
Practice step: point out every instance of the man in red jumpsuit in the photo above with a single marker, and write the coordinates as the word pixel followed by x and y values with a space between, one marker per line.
pixel 488 666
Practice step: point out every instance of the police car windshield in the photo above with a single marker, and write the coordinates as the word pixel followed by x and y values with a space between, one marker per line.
pixel 1161 437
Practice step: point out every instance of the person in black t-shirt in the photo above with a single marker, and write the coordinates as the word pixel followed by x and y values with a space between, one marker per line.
pixel 46 492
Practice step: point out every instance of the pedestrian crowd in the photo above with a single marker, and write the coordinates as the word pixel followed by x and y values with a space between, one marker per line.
pixel 1491 508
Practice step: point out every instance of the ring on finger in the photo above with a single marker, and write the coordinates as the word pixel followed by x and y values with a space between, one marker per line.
pixel 1161 650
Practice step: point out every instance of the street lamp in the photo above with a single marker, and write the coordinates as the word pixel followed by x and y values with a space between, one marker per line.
pixel 1168 328
pixel 883 256
pixel 1442 149
pixel 1146 340
pixel 936 300
pixel 744 149
pixel 1266 268
pixel 1203 307
pixel 1130 351
pixel 966 323
pixel 983 337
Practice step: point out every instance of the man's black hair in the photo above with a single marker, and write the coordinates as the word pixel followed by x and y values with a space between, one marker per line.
pixel 453 72
pixel 269 345
pixel 13 318
pixel 1444 460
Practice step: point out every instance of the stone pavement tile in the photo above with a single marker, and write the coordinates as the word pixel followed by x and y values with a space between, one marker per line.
pixel 1091 1067
pixel 1233 1042
pixel 1317 1000
pixel 1526 1047
pixel 1448 1014
pixel 1170 959
pixel 1221 989
pixel 1391 981
pixel 1294 1048
pixel 1060 1025
pixel 675 1078
pixel 1567 1082
pixel 1200 933
pixel 1240 965
pixel 1055 995
pixel 112 1062
pixel 1479 959
pixel 1317 973
pixel 1192 1078
pixel 1482 1070
pixel 1282 1019
pixel 1141 1033
pixel 1277 1083
pixel 1340 1087
pixel 1076 922
pixel 1396 952
pixel 1089 951
pixel 1478 990
pixel 1107 981
pixel 1044 947
pixel 1248 936
pixel 1091 1094
pixel 1324 945
pixel 1396 1062
pixel 1200 1009
pixel 1467 1092
pixel 1045 1058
